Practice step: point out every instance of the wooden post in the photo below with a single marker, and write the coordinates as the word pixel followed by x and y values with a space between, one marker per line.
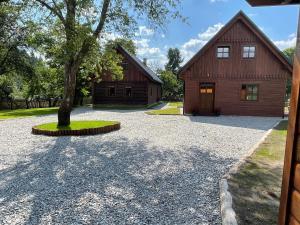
pixel 292 151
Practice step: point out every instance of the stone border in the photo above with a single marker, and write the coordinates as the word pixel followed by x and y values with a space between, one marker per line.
pixel 88 131
pixel 227 212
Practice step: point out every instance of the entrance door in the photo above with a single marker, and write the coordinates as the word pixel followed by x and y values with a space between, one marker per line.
pixel 207 96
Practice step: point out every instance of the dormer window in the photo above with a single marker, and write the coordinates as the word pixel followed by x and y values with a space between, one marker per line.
pixel 248 52
pixel 223 52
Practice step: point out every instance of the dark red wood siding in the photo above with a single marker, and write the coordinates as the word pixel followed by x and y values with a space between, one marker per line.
pixel 229 74
pixel 133 77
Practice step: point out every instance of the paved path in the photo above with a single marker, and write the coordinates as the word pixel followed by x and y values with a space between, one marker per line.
pixel 155 170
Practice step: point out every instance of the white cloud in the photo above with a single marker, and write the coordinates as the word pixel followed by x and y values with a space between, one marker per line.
pixel 288 43
pixel 252 15
pixel 155 57
pixel 144 32
pixel 213 1
pixel 189 48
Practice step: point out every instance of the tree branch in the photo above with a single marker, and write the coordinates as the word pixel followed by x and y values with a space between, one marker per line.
pixel 54 10
pixel 103 16
pixel 85 48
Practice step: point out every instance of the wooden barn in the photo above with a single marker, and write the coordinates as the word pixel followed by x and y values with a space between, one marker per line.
pixel 140 85
pixel 238 72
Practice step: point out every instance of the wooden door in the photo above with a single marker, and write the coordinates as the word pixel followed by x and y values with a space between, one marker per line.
pixel 206 98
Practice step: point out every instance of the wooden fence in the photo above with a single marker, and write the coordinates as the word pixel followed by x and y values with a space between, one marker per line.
pixel 36 103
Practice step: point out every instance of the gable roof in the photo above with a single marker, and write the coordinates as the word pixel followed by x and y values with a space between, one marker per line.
pixel 147 71
pixel 241 16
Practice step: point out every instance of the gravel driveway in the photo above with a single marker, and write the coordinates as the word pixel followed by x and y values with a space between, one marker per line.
pixel 155 170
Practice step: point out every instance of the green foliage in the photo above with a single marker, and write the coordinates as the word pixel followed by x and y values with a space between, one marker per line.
pixel 110 62
pixel 6 87
pixel 13 35
pixel 171 86
pixel 175 59
pixel 289 53
pixel 76 125
pixel 128 44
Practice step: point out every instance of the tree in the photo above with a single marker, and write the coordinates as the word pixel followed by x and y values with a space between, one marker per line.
pixel 174 60
pixel 170 85
pixel 173 86
pixel 13 35
pixel 289 53
pixel 83 22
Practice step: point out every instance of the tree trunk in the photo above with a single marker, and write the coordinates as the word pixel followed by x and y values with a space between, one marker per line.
pixel 27 104
pixel 64 112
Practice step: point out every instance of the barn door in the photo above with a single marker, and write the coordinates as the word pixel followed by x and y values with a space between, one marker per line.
pixel 206 99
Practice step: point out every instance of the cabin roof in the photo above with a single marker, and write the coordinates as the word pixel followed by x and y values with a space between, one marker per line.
pixel 147 71
pixel 272 2
pixel 252 26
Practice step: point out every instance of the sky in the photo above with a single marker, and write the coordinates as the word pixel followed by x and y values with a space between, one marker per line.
pixel 204 19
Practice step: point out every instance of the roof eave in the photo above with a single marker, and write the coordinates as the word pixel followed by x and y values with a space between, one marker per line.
pixel 137 64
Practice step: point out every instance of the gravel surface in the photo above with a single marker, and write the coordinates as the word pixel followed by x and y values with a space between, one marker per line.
pixel 155 170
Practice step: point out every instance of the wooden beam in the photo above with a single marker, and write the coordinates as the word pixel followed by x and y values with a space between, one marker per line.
pixel 272 2
pixel 292 139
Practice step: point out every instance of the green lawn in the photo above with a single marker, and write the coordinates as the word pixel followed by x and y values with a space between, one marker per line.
pixel 256 187
pixel 17 113
pixel 167 111
pixel 175 104
pixel 76 125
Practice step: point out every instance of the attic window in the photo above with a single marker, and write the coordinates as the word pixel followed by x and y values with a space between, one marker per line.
pixel 248 51
pixel 124 65
pixel 223 52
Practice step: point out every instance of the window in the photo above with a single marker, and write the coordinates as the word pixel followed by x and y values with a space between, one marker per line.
pixel 111 91
pixel 223 52
pixel 248 51
pixel 206 90
pixel 249 92
pixel 124 66
pixel 128 91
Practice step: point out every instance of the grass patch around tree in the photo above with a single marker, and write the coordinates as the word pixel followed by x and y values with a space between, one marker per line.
pixel 167 111
pixel 85 127
pixel 75 125
pixel 256 187
pixel 19 113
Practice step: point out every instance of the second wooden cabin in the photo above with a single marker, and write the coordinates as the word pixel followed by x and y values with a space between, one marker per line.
pixel 139 86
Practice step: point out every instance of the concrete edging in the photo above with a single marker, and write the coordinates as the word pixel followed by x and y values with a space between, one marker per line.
pixel 227 212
